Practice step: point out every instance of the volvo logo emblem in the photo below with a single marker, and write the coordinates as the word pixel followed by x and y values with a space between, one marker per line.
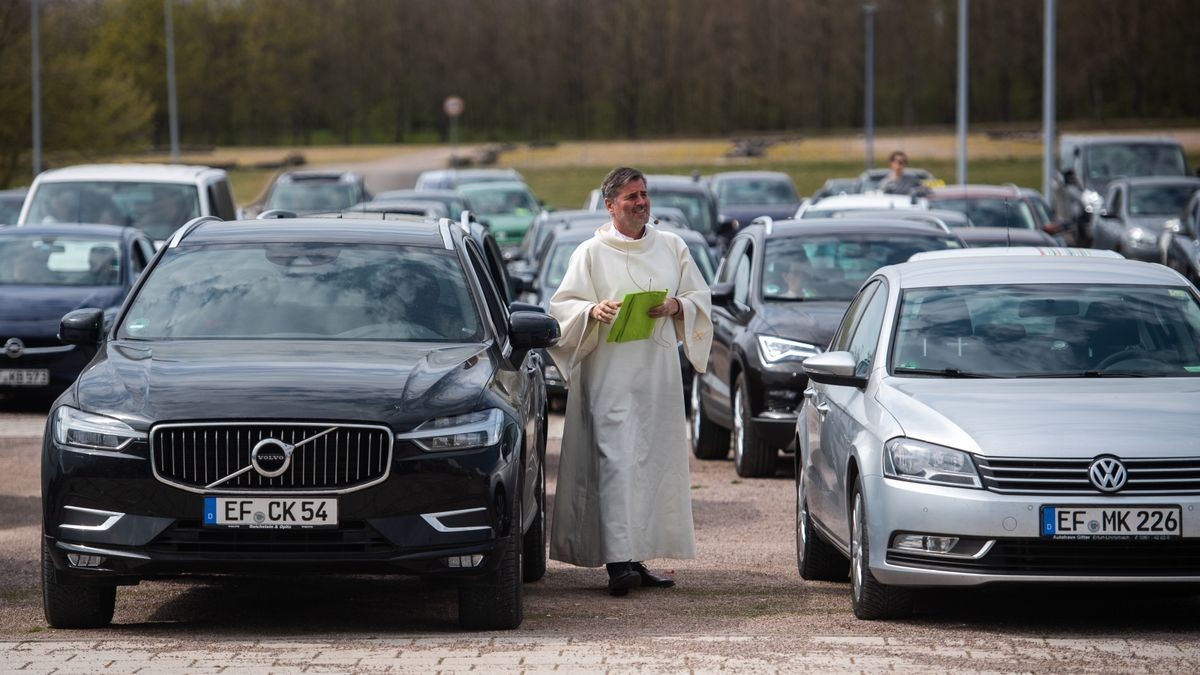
pixel 271 457
pixel 14 348
pixel 1107 473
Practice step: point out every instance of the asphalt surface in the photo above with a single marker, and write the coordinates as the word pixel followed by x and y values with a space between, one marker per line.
pixel 739 605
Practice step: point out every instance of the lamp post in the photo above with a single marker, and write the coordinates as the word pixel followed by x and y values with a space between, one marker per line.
pixel 1048 101
pixel 962 92
pixel 869 85
pixel 35 34
pixel 172 112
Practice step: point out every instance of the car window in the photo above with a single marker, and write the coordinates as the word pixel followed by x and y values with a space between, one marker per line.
pixel 841 339
pixel 756 191
pixel 311 196
pixel 833 267
pixel 495 201
pixel 693 204
pixel 158 209
pixel 1066 330
pixel 1159 200
pixel 992 212
pixel 48 260
pixel 1109 160
pixel 221 200
pixel 305 291
pixel 726 268
pixel 866 331
pixel 496 306
pixel 741 276
pixel 702 256
pixel 556 269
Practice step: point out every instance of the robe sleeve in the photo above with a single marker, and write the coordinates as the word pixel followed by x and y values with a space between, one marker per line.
pixel 694 326
pixel 571 306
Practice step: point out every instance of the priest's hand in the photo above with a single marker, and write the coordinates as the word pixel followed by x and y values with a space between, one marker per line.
pixel 606 310
pixel 670 307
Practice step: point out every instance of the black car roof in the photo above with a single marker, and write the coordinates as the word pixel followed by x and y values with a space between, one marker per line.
pixel 408 232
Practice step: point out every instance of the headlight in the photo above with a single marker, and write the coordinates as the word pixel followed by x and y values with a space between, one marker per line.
pixel 775 349
pixel 460 432
pixel 77 429
pixel 1138 236
pixel 912 460
pixel 1092 201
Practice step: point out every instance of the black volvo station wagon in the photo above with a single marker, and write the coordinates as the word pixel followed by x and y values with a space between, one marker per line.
pixel 287 395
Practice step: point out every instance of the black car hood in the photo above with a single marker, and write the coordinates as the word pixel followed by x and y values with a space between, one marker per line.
pixel 744 213
pixel 44 306
pixel 811 321
pixel 396 383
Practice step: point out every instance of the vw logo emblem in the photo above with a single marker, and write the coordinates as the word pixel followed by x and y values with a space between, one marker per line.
pixel 14 348
pixel 271 457
pixel 1107 474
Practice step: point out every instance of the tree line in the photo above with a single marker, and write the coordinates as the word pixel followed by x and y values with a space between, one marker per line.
pixel 261 72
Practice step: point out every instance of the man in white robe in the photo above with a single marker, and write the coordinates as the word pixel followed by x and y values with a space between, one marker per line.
pixel 624 491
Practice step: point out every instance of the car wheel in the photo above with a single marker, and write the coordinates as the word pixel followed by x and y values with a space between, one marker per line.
pixel 870 599
pixel 498 604
pixel 709 441
pixel 751 457
pixel 534 540
pixel 74 605
pixel 816 559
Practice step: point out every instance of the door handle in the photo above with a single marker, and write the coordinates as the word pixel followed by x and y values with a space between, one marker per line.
pixel 810 393
pixel 822 407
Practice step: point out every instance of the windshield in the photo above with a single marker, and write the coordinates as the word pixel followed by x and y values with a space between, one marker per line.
pixel 1108 161
pixel 756 191
pixel 48 260
pixel 310 197
pixel 305 291
pixel 703 257
pixel 693 205
pixel 833 267
pixel 1048 331
pixel 158 209
pixel 992 212
pixel 1159 200
pixel 556 268
pixel 501 201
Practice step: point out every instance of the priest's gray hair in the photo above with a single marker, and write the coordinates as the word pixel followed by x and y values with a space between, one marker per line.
pixel 617 179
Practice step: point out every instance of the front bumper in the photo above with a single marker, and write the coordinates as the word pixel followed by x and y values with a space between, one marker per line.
pixel 1005 529
pixel 423 519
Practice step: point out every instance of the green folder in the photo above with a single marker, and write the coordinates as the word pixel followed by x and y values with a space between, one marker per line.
pixel 632 322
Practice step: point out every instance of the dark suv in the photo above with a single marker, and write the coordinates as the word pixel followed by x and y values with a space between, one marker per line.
pixel 285 396
pixel 1086 164
pixel 779 295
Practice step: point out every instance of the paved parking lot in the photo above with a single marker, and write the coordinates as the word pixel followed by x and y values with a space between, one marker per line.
pixel 739 606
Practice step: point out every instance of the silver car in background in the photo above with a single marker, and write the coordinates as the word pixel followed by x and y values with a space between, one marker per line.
pixel 1015 415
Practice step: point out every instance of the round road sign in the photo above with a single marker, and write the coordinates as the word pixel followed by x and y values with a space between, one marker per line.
pixel 452 106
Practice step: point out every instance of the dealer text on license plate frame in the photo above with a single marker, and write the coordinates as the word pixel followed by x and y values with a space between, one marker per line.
pixel 24 377
pixel 270 512
pixel 1110 522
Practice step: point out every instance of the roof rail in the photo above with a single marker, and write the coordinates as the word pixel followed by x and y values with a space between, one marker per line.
pixel 766 221
pixel 465 221
pixel 189 226
pixel 275 213
pixel 444 229
pixel 1015 188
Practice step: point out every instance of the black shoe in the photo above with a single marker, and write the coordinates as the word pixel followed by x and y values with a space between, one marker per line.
pixel 650 579
pixel 621 578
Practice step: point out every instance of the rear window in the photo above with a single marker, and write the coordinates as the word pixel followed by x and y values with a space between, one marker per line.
pixel 47 260
pixel 158 209
pixel 834 267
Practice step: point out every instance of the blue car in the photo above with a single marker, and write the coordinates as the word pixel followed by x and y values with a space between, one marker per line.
pixel 47 271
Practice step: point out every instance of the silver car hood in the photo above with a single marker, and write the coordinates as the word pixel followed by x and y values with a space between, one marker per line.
pixel 1049 417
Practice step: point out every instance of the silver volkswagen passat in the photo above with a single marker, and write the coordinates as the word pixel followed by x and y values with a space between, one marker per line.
pixel 1020 416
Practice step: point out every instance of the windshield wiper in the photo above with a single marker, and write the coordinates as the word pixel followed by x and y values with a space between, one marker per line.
pixel 943 372
pixel 1087 373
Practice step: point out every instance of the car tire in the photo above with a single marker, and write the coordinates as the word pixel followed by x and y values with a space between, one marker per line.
pixel 533 557
pixel 816 559
pixel 752 458
pixel 870 599
pixel 498 604
pixel 74 605
pixel 709 440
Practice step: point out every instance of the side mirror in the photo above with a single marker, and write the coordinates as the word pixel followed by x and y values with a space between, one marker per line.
pixel 722 294
pixel 835 368
pixel 517 306
pixel 82 327
pixel 532 330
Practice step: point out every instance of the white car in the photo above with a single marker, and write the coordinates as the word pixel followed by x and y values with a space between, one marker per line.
pixel 155 198
pixel 1022 417
pixel 873 201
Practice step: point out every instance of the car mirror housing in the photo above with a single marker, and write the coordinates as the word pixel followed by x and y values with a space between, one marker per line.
pixel 722 294
pixel 532 330
pixel 517 306
pixel 82 327
pixel 836 368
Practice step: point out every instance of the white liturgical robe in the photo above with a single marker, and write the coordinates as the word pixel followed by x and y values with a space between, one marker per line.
pixel 624 490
